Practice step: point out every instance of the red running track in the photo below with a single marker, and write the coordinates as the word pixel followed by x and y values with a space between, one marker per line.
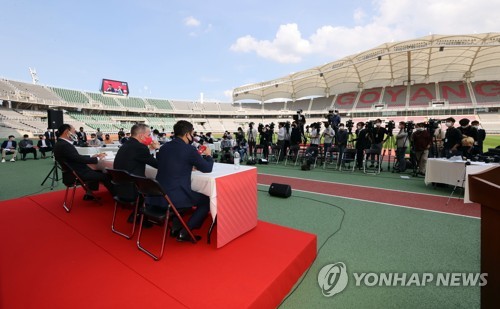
pixel 378 195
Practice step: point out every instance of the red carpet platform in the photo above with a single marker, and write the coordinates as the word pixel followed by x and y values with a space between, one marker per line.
pixel 52 259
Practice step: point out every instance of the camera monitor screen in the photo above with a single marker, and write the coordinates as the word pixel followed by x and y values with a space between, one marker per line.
pixel 114 87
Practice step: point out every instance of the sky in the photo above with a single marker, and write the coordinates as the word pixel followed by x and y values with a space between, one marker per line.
pixel 178 49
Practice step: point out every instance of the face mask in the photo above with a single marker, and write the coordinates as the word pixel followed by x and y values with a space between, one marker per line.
pixel 147 141
pixel 359 128
pixel 420 129
pixel 378 124
pixel 463 127
pixel 190 141
pixel 449 124
pixel 73 137
pixel 475 127
pixel 341 128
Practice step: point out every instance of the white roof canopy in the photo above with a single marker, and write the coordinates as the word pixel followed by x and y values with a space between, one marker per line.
pixel 433 58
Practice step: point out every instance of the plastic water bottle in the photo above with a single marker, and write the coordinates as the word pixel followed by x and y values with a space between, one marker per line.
pixel 236 160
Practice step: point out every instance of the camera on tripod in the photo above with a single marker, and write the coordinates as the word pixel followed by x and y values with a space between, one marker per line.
pixel 409 126
pixel 390 127
pixel 349 124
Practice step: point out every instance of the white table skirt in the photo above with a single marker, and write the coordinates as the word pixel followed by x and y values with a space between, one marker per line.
pixel 453 173
pixel 200 182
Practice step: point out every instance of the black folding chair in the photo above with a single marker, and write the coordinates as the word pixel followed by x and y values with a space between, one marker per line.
pixel 149 187
pixel 71 180
pixel 125 194
pixel 349 156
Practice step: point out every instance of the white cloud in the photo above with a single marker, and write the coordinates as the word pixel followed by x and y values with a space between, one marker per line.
pixel 359 15
pixel 393 20
pixel 287 47
pixel 191 21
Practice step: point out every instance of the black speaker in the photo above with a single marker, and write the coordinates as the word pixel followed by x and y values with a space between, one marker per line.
pixel 280 190
pixel 55 119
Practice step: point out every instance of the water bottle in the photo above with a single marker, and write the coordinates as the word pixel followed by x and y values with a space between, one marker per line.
pixel 236 160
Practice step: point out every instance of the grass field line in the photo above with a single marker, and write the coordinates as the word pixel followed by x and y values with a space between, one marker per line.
pixel 348 184
pixel 381 203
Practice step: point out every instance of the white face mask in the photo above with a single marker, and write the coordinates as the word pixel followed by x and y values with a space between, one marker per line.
pixel 476 127
pixel 464 127
pixel 73 137
pixel 420 129
pixel 449 124
pixel 378 124
pixel 341 128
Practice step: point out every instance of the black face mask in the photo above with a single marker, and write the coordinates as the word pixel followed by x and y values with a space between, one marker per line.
pixel 190 141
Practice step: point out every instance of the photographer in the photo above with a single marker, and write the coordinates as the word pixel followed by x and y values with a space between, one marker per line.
pixel 452 139
pixel 284 133
pixel 295 136
pixel 265 140
pixel 480 135
pixel 300 119
pixel 328 135
pixel 402 142
pixel 341 141
pixel 251 138
pixel 362 143
pixel 421 141
pixel 312 150
pixel 376 136
pixel 334 120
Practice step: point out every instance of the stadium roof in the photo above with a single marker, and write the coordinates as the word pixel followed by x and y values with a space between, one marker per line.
pixel 433 58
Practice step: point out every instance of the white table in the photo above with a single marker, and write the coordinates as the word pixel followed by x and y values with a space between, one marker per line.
pixel 454 173
pixel 233 196
pixel 94 150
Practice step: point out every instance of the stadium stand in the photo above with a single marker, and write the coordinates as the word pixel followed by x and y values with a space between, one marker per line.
pixel 274 106
pixel 368 98
pixel 132 102
pixel 395 97
pixel 72 96
pixel 422 94
pixel 181 105
pixel 35 90
pixel 210 106
pixel 252 107
pixel 455 93
pixel 487 92
pixel 6 90
pixel 107 101
pixel 345 101
pixel 160 104
pixel 299 104
pixel 229 107
pixel 321 104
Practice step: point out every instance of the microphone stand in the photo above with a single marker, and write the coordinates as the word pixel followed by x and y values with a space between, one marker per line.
pixel 458 182
pixel 54 172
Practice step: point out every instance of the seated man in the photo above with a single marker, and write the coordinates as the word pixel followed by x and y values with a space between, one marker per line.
pixel 44 145
pixel 176 160
pixel 65 151
pixel 9 147
pixel 133 157
pixel 26 146
pixel 94 141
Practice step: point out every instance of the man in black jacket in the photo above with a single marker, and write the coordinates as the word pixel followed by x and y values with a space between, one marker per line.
pixel 362 143
pixel 133 156
pixel 65 151
pixel 479 136
pixel 452 139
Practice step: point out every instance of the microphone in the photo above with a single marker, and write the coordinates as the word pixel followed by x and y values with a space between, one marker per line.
pixel 202 149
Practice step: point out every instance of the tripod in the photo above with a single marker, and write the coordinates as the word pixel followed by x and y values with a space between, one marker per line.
pixel 458 182
pixel 54 173
pixel 389 147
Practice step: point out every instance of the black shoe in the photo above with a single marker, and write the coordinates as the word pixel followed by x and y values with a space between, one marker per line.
pixel 184 236
pixel 90 197
pixel 174 232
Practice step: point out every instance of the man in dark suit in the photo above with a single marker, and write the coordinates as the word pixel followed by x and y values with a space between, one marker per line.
pixel 82 137
pixel 133 157
pixel 176 160
pixel 479 137
pixel 51 136
pixel 44 145
pixel 65 151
